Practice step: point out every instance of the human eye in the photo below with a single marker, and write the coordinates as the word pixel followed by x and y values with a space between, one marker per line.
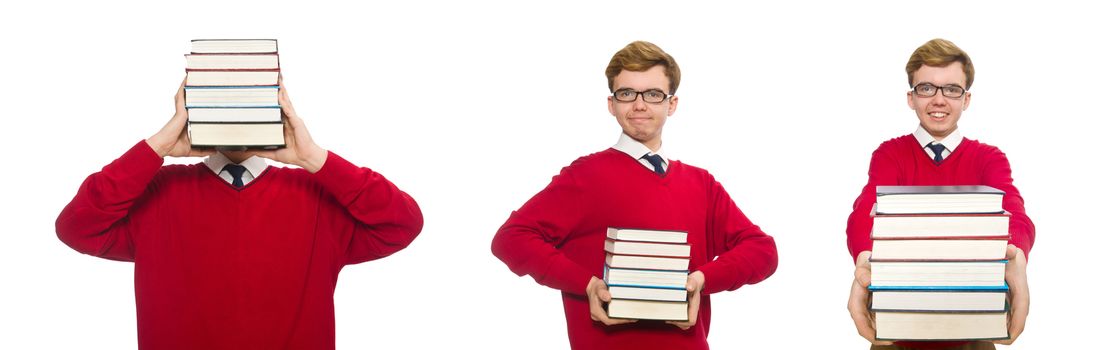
pixel 953 90
pixel 626 94
pixel 925 89
pixel 653 95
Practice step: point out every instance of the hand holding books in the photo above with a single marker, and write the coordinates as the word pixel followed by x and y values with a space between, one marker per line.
pixel 598 296
pixel 172 140
pixel 695 284
pixel 939 266
pixel 1018 294
pixel 859 299
pixel 300 149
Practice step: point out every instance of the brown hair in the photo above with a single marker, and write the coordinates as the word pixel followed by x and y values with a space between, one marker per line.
pixel 640 56
pixel 940 53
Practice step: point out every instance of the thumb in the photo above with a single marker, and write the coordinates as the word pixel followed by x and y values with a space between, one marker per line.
pixel 604 295
pixel 863 276
pixel 1011 252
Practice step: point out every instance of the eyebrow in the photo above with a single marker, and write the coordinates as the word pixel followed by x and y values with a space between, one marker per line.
pixel 930 83
pixel 641 91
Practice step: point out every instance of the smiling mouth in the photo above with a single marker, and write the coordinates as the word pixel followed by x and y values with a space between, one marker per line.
pixel 938 115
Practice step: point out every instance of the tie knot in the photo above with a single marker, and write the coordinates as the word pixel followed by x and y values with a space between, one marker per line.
pixel 938 149
pixel 657 161
pixel 236 171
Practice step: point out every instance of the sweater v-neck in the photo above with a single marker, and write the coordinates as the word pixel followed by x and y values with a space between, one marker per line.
pixel 254 183
pixel 957 153
pixel 653 174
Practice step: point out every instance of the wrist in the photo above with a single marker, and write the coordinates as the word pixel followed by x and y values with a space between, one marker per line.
pixel 699 278
pixel 158 147
pixel 315 160
pixel 591 287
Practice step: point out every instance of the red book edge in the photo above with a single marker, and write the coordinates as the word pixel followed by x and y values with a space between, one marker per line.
pixel 650 256
pixel 654 256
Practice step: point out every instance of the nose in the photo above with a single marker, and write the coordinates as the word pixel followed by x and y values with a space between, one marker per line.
pixel 938 99
pixel 640 105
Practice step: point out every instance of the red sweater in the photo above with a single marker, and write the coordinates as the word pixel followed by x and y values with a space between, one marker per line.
pixel 557 238
pixel 903 161
pixel 216 267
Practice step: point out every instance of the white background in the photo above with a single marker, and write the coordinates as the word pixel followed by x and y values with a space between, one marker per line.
pixel 471 107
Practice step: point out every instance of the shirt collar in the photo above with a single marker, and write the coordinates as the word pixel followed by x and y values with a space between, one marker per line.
pixel 217 161
pixel 952 140
pixel 636 149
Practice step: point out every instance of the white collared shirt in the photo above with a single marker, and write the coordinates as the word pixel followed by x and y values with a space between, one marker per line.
pixel 255 166
pixel 636 150
pixel 952 141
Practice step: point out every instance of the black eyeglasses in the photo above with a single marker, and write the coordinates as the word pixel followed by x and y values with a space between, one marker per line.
pixel 929 90
pixel 650 96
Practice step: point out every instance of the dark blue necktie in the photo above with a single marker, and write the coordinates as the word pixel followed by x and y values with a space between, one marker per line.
pixel 658 163
pixel 937 148
pixel 236 171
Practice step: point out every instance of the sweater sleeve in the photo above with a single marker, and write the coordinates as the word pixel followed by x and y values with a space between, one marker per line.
pixel 527 241
pixel 998 174
pixel 384 219
pixel 744 254
pixel 98 219
pixel 883 171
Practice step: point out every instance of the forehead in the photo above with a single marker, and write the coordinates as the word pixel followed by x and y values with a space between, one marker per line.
pixel 949 74
pixel 652 78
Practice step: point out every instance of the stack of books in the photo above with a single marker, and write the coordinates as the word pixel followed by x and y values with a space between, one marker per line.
pixel 937 264
pixel 232 94
pixel 646 273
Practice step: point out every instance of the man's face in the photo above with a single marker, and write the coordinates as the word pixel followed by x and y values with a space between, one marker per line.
pixel 939 115
pixel 639 119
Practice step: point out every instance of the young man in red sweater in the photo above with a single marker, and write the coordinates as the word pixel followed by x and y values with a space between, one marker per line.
pixel 230 256
pixel 557 237
pixel 936 154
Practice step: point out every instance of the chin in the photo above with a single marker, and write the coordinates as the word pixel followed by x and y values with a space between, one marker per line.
pixel 641 137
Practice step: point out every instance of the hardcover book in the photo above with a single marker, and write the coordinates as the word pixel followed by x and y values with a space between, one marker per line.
pixel 647 262
pixel 235 115
pixel 648 309
pixel 937 274
pixel 941 326
pixel 933 300
pixel 939 225
pixel 642 293
pixel 647 249
pixel 655 236
pixel 245 135
pixel 939 249
pixel 233 78
pixel 231 96
pixel 938 199
pixel 234 46
pixel 645 278
pixel 232 61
